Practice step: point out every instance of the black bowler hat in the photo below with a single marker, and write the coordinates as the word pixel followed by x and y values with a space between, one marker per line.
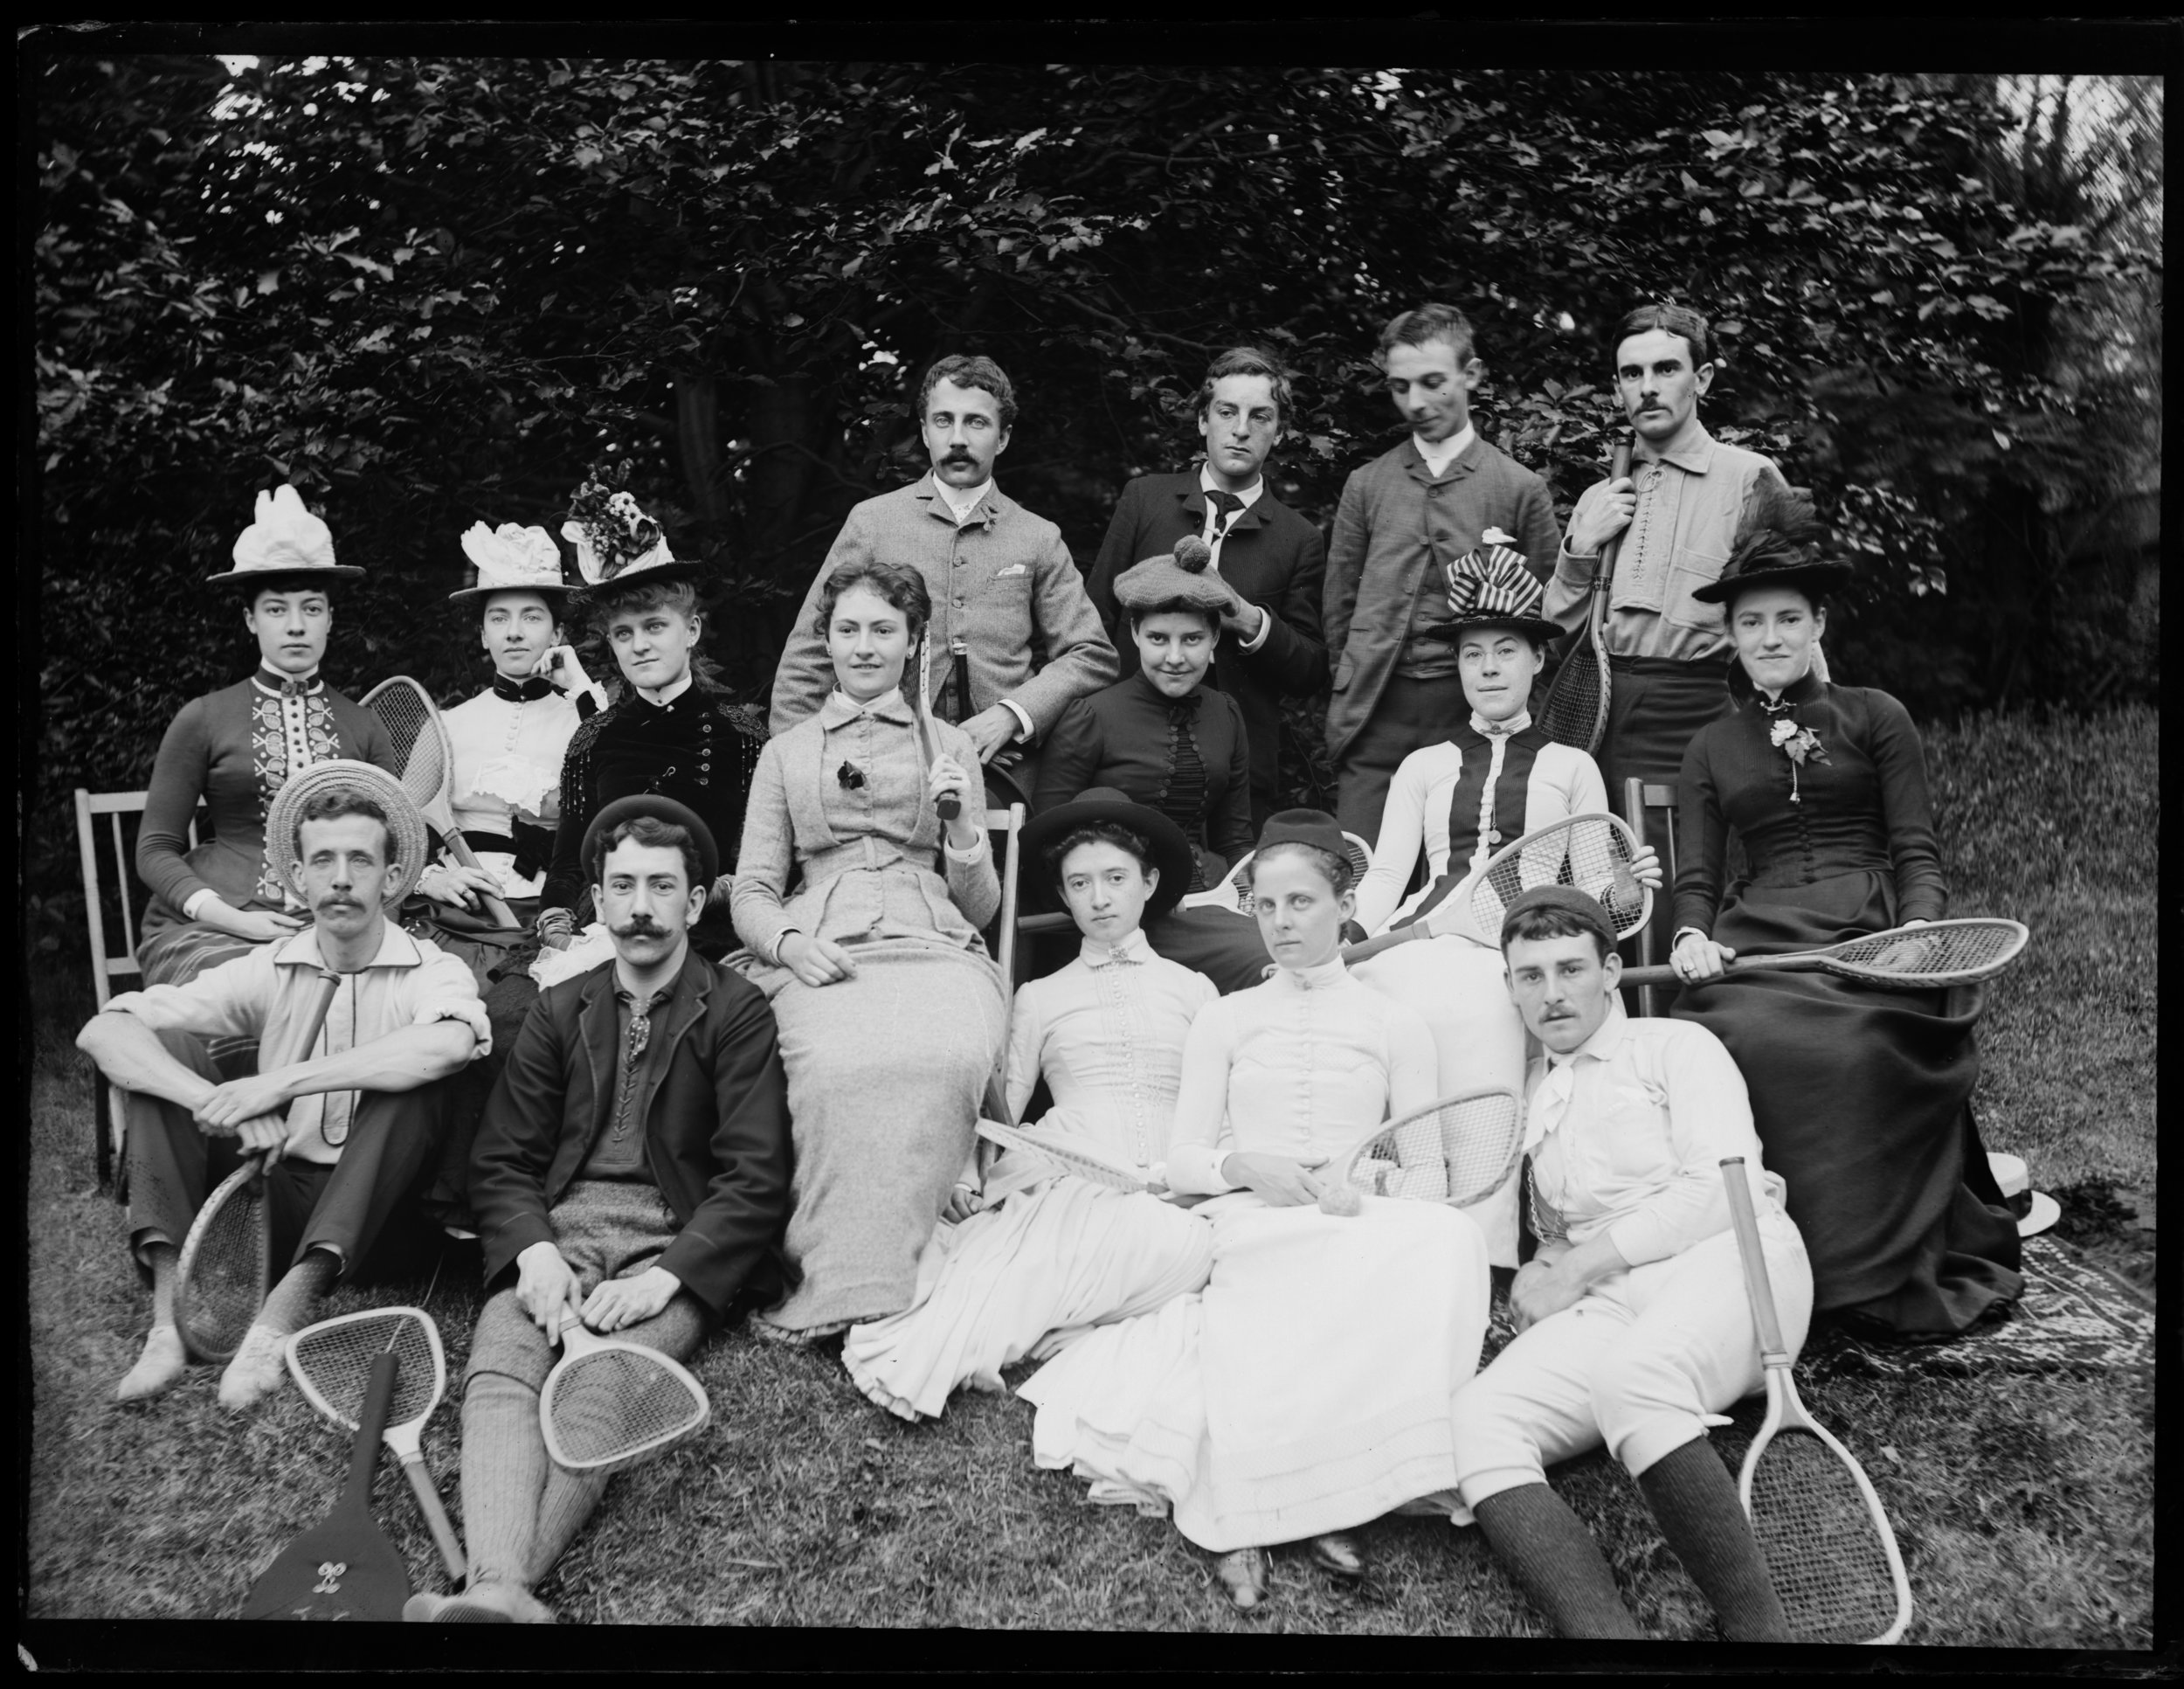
pixel 1171 852
pixel 664 809
pixel 1586 907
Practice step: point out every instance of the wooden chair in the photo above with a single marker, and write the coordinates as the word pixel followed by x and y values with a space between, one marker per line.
pixel 106 967
pixel 1639 796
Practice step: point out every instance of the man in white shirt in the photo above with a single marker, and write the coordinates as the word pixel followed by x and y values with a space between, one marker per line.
pixel 1635 1330
pixel 352 1128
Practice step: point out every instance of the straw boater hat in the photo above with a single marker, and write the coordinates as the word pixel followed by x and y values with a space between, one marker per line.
pixel 1491 587
pixel 513 559
pixel 660 808
pixel 287 539
pixel 1180 576
pixel 406 826
pixel 1171 852
pixel 1777 544
pixel 616 543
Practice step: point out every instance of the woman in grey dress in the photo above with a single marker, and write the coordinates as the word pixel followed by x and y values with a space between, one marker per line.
pixel 862 911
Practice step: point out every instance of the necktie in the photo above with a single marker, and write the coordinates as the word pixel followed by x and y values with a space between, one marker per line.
pixel 1226 507
pixel 520 691
pixel 292 688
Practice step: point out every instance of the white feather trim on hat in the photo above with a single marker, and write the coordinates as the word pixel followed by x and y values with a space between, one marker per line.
pixel 286 536
pixel 513 556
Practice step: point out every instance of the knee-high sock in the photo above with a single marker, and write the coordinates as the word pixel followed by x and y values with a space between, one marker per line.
pixel 504 1469
pixel 161 1259
pixel 1695 1500
pixel 294 1302
pixel 1554 1559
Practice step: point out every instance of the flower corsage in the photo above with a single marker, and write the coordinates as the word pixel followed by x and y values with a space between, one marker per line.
pixel 1797 742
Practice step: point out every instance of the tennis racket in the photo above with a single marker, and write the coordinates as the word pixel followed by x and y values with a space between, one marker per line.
pixel 1459 1151
pixel 411 719
pixel 1902 958
pixel 225 1268
pixel 332 1363
pixel 344 1566
pixel 610 1404
pixel 1079 1159
pixel 1233 890
pixel 948 805
pixel 1575 711
pixel 1593 852
pixel 1821 1528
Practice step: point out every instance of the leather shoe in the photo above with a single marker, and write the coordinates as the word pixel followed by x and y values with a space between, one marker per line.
pixel 1339 1553
pixel 1244 1573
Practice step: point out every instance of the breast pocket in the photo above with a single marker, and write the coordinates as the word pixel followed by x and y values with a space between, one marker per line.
pixel 1343 670
pixel 1692 569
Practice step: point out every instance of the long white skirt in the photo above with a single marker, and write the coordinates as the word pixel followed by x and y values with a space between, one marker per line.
pixel 1307 1389
pixel 1024 1278
pixel 1457 987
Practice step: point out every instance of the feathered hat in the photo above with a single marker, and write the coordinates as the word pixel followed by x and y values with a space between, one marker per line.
pixel 1181 576
pixel 511 559
pixel 616 543
pixel 287 539
pixel 1777 544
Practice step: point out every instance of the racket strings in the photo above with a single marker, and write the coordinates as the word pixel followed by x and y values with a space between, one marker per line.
pixel 1571 714
pixel 1824 1549
pixel 613 1403
pixel 402 710
pixel 1459 1151
pixel 1951 948
pixel 334 1364
pixel 223 1275
pixel 1589 853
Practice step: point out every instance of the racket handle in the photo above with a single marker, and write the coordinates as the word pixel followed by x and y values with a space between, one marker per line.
pixel 498 912
pixel 1757 1281
pixel 1364 950
pixel 371 1425
pixel 428 1503
pixel 948 806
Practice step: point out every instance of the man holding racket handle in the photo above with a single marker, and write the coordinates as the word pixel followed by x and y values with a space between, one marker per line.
pixel 346 1132
pixel 1635 1328
pixel 631 1174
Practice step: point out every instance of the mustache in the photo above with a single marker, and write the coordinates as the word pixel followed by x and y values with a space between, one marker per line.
pixel 642 926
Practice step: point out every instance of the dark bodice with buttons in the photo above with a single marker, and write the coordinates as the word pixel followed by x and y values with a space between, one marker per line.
pixel 699 749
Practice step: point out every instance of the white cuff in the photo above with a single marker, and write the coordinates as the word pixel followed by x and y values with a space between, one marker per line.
pixel 781 938
pixel 977 849
pixel 1677 936
pixel 1023 721
pixel 197 900
pixel 1266 627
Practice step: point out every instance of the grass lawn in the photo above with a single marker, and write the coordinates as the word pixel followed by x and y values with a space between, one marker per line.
pixel 2023 1504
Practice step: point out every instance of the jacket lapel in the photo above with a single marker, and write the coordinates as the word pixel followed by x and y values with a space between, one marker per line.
pixel 597 1018
pixel 693 987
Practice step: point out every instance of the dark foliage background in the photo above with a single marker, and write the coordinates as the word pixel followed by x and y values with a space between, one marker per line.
pixel 433 292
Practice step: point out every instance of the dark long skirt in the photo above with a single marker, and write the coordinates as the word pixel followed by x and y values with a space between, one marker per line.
pixel 1863 1102
pixel 1223 946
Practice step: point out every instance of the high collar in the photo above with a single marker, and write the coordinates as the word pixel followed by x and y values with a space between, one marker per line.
pixel 1694 452
pixel 529 690
pixel 1133 948
pixel 1250 496
pixel 1508 730
pixel 270 679
pixel 950 501
pixel 890 706
pixel 396 949
pixel 682 690
pixel 1808 687
pixel 1452 448
pixel 1146 689
pixel 1320 978
pixel 1607 1039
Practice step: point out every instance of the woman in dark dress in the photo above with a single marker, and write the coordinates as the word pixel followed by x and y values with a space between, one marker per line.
pixel 1166 740
pixel 1861 1096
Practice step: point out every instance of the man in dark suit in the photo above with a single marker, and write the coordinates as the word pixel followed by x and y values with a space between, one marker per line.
pixel 1270 557
pixel 632 1172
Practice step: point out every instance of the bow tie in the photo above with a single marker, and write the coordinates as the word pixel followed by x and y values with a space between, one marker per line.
pixel 1228 506
pixel 1184 709
pixel 1516 724
pixel 522 691
pixel 287 685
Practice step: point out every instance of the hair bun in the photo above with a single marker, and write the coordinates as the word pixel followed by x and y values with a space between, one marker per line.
pixel 1192 555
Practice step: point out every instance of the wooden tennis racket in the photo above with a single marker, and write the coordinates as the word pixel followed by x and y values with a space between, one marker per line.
pixel 1232 889
pixel 411 719
pixel 947 805
pixel 1079 1159
pixel 1825 1537
pixel 1902 958
pixel 1575 710
pixel 1460 1150
pixel 344 1566
pixel 610 1404
pixel 225 1269
pixel 1593 852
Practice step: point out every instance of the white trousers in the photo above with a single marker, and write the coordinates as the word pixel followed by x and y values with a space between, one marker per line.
pixel 1642 1363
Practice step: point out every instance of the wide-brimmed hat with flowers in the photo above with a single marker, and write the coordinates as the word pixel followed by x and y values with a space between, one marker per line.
pixel 287 539
pixel 408 842
pixel 1491 587
pixel 512 558
pixel 1777 544
pixel 616 543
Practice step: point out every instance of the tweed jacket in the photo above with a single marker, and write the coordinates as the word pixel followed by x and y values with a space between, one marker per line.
pixel 716 1131
pixel 1002 582
pixel 1275 559
pixel 1396 530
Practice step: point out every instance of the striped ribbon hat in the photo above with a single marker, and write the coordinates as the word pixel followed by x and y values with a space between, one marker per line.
pixel 1491 587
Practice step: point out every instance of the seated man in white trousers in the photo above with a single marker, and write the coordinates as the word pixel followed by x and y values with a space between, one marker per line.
pixel 1633 1327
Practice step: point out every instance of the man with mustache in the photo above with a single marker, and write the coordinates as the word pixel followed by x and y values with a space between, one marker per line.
pixel 1403 519
pixel 632 1172
pixel 353 1125
pixel 1678 513
pixel 1633 1329
pixel 1005 592
pixel 1269 557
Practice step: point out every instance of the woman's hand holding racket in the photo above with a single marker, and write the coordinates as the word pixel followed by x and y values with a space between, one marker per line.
pixel 546 1288
pixel 949 780
pixel 1696 957
pixel 458 886
pixel 1284 1182
pixel 619 1301
pixel 815 961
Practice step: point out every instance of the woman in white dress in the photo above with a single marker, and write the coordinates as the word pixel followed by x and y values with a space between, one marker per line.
pixel 1495 777
pixel 1306 1390
pixel 1029 1260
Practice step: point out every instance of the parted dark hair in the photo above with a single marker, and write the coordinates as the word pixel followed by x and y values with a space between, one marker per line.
pixel 969 371
pixel 1545 921
pixel 1428 322
pixel 1251 361
pixel 1336 870
pixel 335 802
pixel 1114 832
pixel 1669 320
pixel 899 584
pixel 651 831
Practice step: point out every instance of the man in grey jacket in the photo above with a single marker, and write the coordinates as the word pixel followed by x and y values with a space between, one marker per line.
pixel 1005 588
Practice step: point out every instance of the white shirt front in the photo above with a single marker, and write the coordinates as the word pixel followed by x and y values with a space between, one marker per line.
pixel 508 759
pixel 1439 455
pixel 1216 530
pixel 962 502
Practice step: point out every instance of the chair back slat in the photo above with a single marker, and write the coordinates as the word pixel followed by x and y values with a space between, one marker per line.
pixel 1009 822
pixel 1639 797
pixel 122 883
pixel 94 915
pixel 119 882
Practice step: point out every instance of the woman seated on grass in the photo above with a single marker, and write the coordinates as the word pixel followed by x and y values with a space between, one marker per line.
pixel 863 918
pixel 1307 1390
pixel 1032 1259
pixel 1863 1097
pixel 1168 741
pixel 1495 777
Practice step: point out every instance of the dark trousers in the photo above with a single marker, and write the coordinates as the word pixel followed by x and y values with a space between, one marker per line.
pixel 1655 710
pixel 393 1140
pixel 1411 714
